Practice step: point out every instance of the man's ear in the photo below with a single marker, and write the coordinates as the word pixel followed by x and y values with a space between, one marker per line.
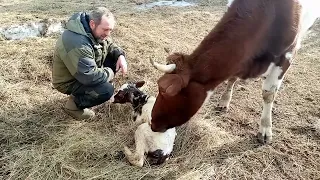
pixel 92 24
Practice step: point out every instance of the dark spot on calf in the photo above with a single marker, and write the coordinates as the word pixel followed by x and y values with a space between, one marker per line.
pixel 157 157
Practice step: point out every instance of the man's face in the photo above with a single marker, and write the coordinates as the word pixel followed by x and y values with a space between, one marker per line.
pixel 103 30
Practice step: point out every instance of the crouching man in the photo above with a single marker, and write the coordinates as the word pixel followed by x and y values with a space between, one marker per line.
pixel 86 60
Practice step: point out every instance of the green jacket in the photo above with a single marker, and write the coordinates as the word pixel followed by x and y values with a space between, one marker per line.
pixel 79 57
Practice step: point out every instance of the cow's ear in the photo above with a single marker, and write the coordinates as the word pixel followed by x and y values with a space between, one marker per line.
pixel 171 84
pixel 139 84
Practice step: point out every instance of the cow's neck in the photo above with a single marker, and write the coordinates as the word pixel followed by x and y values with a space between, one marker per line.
pixel 197 94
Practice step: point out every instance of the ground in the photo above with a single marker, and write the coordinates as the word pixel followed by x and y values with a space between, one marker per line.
pixel 39 141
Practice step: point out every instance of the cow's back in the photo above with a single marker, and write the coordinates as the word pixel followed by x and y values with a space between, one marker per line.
pixel 248 30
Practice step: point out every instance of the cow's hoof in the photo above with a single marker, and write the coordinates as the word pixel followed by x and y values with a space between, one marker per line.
pixel 263 139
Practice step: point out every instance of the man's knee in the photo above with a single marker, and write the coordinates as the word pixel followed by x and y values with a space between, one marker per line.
pixel 91 96
pixel 106 91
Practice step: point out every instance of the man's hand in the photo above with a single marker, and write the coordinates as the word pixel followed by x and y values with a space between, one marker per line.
pixel 122 65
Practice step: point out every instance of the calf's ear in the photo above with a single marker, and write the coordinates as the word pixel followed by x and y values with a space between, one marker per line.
pixel 139 84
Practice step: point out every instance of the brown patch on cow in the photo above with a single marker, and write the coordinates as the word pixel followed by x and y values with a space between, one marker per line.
pixel 285 63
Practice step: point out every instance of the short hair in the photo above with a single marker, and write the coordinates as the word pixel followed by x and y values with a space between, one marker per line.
pixel 97 13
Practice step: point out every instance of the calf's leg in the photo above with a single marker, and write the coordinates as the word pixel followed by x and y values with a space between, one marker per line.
pixel 137 158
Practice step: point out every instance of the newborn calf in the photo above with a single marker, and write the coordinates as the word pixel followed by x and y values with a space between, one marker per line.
pixel 157 145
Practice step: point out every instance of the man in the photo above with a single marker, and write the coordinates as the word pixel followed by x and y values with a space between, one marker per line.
pixel 86 60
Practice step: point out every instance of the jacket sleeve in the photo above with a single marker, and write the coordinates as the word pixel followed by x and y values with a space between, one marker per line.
pixel 114 51
pixel 84 68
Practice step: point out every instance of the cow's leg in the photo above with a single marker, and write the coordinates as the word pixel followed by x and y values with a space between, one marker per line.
pixel 227 95
pixel 271 84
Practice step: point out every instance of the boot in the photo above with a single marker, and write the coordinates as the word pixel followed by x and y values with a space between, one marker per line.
pixel 72 109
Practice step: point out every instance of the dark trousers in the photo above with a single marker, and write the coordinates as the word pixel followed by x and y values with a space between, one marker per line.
pixel 89 96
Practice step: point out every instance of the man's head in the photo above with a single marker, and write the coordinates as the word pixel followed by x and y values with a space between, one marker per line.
pixel 101 22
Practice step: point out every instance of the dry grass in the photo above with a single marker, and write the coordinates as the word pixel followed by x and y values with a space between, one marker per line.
pixel 39 141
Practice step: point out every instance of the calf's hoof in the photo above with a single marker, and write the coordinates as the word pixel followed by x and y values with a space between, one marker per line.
pixel 119 155
pixel 264 139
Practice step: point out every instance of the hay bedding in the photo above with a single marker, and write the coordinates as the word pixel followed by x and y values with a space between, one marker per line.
pixel 39 141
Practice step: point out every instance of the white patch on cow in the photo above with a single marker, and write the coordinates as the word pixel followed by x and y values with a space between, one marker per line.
pixel 289 57
pixel 229 3
pixel 272 81
pixel 209 94
pixel 268 70
pixel 265 127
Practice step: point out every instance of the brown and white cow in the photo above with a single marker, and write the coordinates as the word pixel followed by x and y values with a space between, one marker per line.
pixel 253 38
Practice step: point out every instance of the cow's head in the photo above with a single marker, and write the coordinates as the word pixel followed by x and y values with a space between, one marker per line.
pixel 178 98
pixel 127 92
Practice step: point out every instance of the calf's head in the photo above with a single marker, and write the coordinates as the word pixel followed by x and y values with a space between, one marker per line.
pixel 128 92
